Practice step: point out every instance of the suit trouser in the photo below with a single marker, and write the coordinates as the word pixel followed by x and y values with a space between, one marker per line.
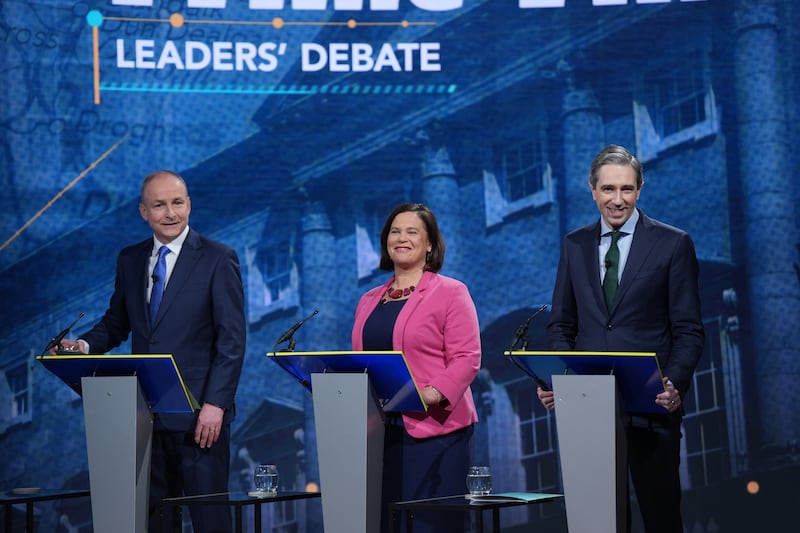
pixel 179 467
pixel 654 454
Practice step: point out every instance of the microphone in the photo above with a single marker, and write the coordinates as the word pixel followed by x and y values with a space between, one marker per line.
pixel 608 263
pixel 288 335
pixel 55 341
pixel 522 332
pixel 522 335
pixel 154 278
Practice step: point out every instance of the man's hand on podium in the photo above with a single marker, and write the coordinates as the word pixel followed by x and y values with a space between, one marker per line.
pixel 68 347
pixel 546 397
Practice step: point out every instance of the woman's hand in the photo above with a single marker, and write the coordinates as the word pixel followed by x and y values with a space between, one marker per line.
pixel 432 396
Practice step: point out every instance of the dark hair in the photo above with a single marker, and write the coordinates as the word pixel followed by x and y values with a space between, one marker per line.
pixel 433 259
pixel 149 178
pixel 615 155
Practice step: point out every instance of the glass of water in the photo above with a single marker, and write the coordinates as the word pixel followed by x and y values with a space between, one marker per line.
pixel 266 478
pixel 479 480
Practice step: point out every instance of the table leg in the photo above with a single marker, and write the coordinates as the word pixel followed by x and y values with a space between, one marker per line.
pixel 29 517
pixel 9 508
pixel 238 515
pixel 495 520
pixel 257 518
pixel 479 521
pixel 409 521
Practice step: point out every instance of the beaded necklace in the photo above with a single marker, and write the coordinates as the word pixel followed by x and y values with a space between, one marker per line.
pixel 394 294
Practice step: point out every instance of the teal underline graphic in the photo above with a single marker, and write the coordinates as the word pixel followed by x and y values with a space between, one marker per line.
pixel 287 90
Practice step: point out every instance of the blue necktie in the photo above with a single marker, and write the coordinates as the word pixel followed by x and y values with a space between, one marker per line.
pixel 159 280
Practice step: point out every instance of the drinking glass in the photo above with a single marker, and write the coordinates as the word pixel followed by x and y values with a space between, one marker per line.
pixel 266 478
pixel 479 480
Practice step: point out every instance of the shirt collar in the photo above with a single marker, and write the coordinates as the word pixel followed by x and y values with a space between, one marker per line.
pixel 176 244
pixel 627 228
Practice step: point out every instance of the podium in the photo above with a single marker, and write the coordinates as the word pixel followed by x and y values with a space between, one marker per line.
pixel 120 394
pixel 351 391
pixel 593 390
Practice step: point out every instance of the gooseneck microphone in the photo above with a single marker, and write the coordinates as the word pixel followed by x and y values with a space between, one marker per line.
pixel 522 332
pixel 55 341
pixel 522 335
pixel 288 336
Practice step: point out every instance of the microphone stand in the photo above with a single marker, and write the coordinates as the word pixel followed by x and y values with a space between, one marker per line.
pixel 300 379
pixel 522 335
pixel 56 341
pixel 289 336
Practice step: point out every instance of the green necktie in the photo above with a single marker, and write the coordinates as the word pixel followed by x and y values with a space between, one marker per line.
pixel 611 280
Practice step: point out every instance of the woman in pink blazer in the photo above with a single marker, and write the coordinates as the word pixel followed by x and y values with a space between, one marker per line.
pixel 432 320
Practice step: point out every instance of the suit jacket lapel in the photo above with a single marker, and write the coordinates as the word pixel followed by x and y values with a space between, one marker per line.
pixel 187 260
pixel 409 307
pixel 641 247
pixel 138 289
pixel 590 242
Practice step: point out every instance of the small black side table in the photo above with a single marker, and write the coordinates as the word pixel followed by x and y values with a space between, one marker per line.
pixel 457 503
pixel 235 500
pixel 29 497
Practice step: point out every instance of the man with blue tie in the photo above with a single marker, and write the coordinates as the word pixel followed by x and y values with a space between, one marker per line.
pixel 630 283
pixel 181 293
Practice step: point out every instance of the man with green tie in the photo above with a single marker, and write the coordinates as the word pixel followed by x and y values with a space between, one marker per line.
pixel 628 283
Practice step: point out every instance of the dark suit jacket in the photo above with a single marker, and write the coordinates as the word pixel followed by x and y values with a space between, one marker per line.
pixel 200 321
pixel 657 306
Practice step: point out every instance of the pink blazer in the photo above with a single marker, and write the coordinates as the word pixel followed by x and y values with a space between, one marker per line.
pixel 438 332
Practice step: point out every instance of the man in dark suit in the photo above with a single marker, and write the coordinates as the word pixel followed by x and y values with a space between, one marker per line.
pixel 630 283
pixel 200 321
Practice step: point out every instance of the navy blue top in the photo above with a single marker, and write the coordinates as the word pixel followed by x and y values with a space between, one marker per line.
pixel 379 326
